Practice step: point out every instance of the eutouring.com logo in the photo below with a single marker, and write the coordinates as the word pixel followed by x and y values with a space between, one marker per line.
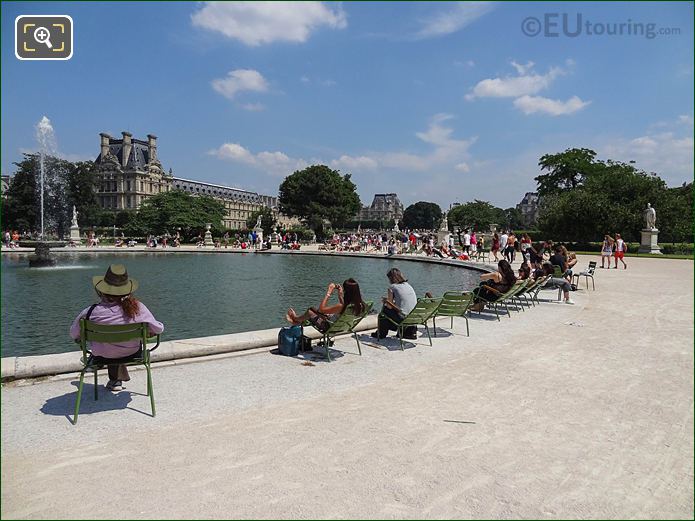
pixel 555 25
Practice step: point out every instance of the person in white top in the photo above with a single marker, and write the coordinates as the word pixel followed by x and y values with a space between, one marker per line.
pixel 620 249
pixel 466 242
pixel 503 241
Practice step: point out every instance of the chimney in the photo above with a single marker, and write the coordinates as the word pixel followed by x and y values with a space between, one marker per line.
pixel 127 146
pixel 152 147
pixel 105 140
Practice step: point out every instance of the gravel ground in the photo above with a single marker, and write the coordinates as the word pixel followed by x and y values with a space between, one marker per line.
pixel 560 411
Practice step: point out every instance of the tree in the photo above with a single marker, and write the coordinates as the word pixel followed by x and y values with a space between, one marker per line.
pixel 23 196
pixel 268 220
pixel 513 219
pixel 477 214
pixel 566 170
pixel 81 186
pixel 423 215
pixel 124 217
pixel 174 210
pixel 611 199
pixel 65 184
pixel 318 193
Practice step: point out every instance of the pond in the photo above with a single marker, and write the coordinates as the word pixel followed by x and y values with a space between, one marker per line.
pixel 194 295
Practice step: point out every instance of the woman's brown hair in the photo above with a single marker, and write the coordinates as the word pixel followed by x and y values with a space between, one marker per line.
pixel 395 276
pixel 352 297
pixel 129 304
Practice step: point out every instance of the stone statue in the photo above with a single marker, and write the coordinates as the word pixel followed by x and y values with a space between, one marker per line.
pixel 650 217
pixel 74 216
pixel 396 228
pixel 258 223
pixel 445 223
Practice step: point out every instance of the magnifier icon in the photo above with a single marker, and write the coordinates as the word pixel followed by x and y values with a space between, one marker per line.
pixel 42 35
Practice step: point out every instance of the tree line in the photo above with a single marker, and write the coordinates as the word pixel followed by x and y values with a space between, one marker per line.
pixel 581 199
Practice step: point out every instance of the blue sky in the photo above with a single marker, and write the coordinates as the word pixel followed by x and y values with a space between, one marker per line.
pixel 435 101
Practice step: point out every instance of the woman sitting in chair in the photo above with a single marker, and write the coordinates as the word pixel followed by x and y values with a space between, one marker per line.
pixel 400 301
pixel 492 285
pixel 322 318
pixel 117 306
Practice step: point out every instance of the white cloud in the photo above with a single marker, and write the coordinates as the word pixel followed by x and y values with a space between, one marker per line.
pixel 522 69
pixel 275 163
pixel 685 119
pixel 253 107
pixel 257 23
pixel 447 153
pixel 304 79
pixel 240 80
pixel 527 82
pixel 453 19
pixel 669 154
pixel 533 104
pixel 355 163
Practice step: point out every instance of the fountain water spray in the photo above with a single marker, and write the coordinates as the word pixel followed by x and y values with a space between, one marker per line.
pixel 47 144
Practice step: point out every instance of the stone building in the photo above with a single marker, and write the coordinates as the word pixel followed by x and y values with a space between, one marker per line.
pixel 529 208
pixel 239 204
pixel 384 207
pixel 128 172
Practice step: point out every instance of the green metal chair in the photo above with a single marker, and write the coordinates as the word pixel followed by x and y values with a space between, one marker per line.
pixel 114 334
pixel 424 309
pixel 502 299
pixel 533 290
pixel 344 324
pixel 454 304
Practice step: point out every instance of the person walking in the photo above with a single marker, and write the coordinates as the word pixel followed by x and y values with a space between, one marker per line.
pixel 495 248
pixel 620 251
pixel 606 251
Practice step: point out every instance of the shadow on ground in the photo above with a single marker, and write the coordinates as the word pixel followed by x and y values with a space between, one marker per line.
pixel 64 405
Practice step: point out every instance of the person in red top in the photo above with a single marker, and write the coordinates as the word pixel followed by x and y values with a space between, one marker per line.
pixel 495 246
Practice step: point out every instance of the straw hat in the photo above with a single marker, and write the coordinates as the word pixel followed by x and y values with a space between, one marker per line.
pixel 115 282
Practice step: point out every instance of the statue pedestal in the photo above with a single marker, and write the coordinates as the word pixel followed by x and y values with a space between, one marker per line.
pixel 259 237
pixel 75 234
pixel 443 237
pixel 649 243
pixel 208 235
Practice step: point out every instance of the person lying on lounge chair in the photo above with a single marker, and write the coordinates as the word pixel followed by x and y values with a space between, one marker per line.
pixel 493 284
pixel 326 314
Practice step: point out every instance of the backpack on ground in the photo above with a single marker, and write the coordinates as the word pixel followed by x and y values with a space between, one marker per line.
pixel 290 340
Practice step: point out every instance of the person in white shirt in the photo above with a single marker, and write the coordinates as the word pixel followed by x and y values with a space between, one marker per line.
pixel 503 241
pixel 620 249
pixel 466 241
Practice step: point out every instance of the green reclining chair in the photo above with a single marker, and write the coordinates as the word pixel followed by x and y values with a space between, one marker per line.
pixel 114 334
pixel 344 324
pixel 424 309
pixel 454 304
pixel 503 298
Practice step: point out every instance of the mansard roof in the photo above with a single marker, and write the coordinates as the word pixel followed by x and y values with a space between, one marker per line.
pixel 139 154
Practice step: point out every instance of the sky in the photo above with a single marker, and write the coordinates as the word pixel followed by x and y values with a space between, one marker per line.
pixel 444 102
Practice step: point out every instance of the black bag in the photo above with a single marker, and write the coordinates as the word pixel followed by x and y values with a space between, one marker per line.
pixel 574 287
pixel 305 343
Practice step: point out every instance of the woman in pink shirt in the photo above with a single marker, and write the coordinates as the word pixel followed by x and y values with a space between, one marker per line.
pixel 117 306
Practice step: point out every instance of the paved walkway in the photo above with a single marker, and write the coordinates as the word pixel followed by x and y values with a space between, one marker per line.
pixel 581 411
